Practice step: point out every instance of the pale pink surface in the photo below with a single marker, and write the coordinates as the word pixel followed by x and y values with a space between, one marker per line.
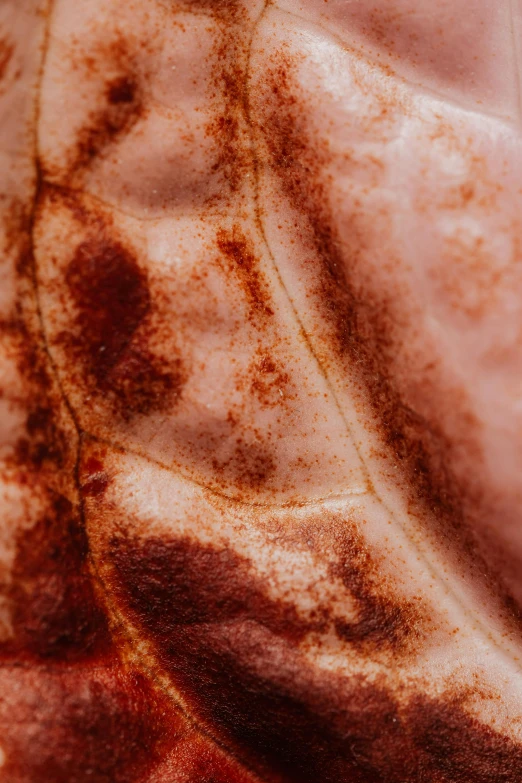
pixel 411 114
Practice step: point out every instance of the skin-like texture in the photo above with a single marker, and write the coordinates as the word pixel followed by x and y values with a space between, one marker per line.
pixel 260 410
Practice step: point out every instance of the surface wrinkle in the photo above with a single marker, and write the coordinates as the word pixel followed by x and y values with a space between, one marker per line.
pixel 87 194
pixel 134 641
pixel 233 500
pixel 259 221
pixel 32 219
pixel 431 565
pixel 421 90
pixel 80 433
pixel 69 189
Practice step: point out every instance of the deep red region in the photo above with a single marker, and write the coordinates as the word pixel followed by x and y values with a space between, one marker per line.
pixel 94 480
pixel 56 615
pixel 217 633
pixel 85 726
pixel 112 298
pixel 122 90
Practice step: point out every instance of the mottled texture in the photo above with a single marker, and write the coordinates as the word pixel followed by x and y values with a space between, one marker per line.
pixel 260 421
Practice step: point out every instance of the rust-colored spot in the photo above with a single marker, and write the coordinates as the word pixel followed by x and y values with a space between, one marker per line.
pixel 111 293
pixel 225 131
pixel 269 382
pixel 364 327
pixel 250 466
pixel 238 253
pixel 227 123
pixel 6 54
pixel 123 109
pixel 94 478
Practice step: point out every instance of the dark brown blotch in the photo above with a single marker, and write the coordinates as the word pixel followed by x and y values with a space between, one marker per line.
pixel 235 656
pixel 111 293
pixel 44 443
pixel 83 725
pixel 172 584
pixel 122 90
pixel 251 466
pixel 457 747
pixel 196 602
pixel 55 613
pixel 387 622
pixel 113 305
pixel 122 108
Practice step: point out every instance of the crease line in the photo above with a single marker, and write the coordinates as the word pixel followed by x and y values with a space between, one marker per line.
pixel 488 635
pixel 89 196
pixel 230 498
pixel 199 727
pixel 421 89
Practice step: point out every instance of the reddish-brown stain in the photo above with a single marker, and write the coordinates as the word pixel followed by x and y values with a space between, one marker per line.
pixel 217 640
pixel 115 102
pixel 55 613
pixel 386 621
pixel 225 669
pixel 365 328
pixel 6 54
pixel 250 466
pixel 94 480
pixel 43 442
pixel 218 8
pixel 121 113
pixel 227 129
pixel 85 726
pixel 111 293
pixel 238 253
